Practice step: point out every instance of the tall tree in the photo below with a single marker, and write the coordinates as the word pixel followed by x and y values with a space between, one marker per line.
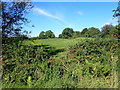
pixel 117 13
pixel 60 35
pixel 92 32
pixel 13 17
pixel 50 34
pixel 76 34
pixel 106 28
pixel 84 31
pixel 67 32
pixel 42 35
pixel 114 32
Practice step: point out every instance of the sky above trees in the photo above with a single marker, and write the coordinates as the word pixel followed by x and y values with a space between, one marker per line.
pixel 57 16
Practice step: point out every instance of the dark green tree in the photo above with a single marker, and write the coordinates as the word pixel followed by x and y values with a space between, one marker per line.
pixel 118 28
pixel 60 35
pixel 92 32
pixel 105 29
pixel 42 35
pixel 50 34
pixel 67 33
pixel 76 34
pixel 117 13
pixel 84 31
pixel 13 17
pixel 114 33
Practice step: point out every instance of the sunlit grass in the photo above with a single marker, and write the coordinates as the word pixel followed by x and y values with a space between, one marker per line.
pixel 55 42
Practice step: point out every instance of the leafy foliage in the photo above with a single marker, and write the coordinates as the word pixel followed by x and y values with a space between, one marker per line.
pixel 117 13
pixel 35 66
pixel 50 34
pixel 84 31
pixel 66 63
pixel 47 34
pixel 20 63
pixel 92 32
pixel 117 27
pixel 114 33
pixel 96 56
pixel 67 32
pixel 76 34
pixel 42 35
pixel 106 28
pixel 13 16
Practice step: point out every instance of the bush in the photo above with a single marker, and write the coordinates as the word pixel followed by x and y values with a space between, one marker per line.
pixel 36 67
pixel 95 56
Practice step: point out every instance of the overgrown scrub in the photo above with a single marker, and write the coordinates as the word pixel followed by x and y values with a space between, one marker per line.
pixel 92 63
pixel 87 64
pixel 97 57
pixel 22 62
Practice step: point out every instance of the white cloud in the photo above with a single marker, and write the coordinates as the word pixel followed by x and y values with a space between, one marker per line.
pixel 80 13
pixel 45 13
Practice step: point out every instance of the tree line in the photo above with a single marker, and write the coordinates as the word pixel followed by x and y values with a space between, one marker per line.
pixel 108 30
pixel 13 17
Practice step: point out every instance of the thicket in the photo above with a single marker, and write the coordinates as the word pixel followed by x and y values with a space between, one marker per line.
pixel 33 66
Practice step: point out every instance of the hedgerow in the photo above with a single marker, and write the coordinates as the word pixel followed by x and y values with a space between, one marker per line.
pixel 35 66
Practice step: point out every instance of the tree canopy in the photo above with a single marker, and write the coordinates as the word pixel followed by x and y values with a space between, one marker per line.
pixel 50 34
pixel 47 34
pixel 76 34
pixel 92 32
pixel 42 35
pixel 13 17
pixel 106 28
pixel 84 31
pixel 67 32
pixel 117 13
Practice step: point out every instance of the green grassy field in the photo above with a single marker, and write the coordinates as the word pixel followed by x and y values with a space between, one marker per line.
pixel 55 42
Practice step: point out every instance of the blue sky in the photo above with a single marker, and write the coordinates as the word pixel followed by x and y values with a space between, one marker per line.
pixel 56 16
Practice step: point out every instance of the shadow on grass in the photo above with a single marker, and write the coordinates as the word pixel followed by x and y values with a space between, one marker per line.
pixel 56 51
pixel 50 50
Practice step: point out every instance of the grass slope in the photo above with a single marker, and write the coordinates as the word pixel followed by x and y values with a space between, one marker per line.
pixel 55 42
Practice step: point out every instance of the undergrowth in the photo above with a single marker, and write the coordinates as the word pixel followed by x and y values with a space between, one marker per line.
pixel 88 64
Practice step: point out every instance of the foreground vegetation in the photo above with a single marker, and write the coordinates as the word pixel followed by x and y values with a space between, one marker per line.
pixel 69 61
pixel 74 63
